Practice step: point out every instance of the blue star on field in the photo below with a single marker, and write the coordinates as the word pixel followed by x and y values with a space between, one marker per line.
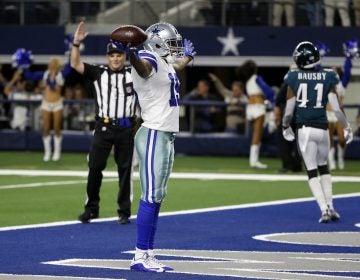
pixel 230 42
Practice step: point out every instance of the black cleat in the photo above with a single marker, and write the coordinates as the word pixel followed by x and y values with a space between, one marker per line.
pixel 123 220
pixel 87 216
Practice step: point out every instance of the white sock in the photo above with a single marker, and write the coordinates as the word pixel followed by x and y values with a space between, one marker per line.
pixel 331 158
pixel 254 154
pixel 151 253
pixel 47 147
pixel 57 147
pixel 317 191
pixel 139 253
pixel 340 156
pixel 326 186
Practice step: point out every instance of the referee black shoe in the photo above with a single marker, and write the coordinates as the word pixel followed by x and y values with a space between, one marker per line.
pixel 123 220
pixel 87 216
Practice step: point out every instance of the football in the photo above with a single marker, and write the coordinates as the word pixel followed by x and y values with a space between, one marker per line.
pixel 126 34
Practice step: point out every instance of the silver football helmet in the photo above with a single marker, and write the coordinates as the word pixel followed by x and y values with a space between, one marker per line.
pixel 165 40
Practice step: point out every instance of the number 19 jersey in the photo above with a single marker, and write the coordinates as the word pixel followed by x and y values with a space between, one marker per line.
pixel 311 88
pixel 158 94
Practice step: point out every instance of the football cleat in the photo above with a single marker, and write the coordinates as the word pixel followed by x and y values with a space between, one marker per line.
pixel 157 262
pixel 334 215
pixel 145 264
pixel 325 217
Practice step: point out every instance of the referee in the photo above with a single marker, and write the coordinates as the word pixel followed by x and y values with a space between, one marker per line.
pixel 115 113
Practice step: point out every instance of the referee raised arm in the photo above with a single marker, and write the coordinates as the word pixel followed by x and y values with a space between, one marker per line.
pixel 115 112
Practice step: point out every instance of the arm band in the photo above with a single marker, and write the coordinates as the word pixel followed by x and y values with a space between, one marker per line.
pixel 76 45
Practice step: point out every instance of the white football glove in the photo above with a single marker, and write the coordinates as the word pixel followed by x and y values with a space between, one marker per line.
pixel 348 134
pixel 288 133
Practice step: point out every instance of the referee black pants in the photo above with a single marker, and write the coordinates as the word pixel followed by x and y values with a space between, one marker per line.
pixel 106 136
pixel 288 152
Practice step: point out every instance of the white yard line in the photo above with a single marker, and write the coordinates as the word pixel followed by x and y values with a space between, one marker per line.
pixel 179 175
pixel 54 183
pixel 182 212
pixel 112 176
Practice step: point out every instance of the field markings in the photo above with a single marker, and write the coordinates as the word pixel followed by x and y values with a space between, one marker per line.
pixel 183 212
pixel 179 175
pixel 51 183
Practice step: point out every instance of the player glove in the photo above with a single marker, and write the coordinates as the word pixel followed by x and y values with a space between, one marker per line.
pixel 288 133
pixel 189 48
pixel 126 48
pixel 348 134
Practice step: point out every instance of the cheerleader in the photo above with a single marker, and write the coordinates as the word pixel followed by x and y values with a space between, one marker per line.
pixel 52 82
pixel 257 91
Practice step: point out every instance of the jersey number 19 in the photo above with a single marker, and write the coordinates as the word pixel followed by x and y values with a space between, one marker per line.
pixel 174 90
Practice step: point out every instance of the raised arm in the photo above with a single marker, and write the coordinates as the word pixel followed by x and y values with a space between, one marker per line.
pixel 9 86
pixel 189 53
pixel 79 36
pixel 225 92
pixel 142 66
pixel 268 91
pixel 346 72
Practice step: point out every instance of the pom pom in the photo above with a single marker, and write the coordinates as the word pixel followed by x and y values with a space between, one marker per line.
pixel 323 49
pixel 351 48
pixel 22 59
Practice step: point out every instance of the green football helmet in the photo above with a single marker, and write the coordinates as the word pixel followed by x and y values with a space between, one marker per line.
pixel 306 55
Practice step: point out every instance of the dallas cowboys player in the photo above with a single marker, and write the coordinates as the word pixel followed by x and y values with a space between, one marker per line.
pixel 157 87
pixel 309 90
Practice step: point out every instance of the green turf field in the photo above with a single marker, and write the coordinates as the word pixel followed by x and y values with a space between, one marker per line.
pixel 62 198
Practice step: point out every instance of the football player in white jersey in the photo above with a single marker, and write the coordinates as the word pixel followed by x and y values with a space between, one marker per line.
pixel 157 86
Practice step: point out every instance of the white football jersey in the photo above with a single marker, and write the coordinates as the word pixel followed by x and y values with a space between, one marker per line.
pixel 158 94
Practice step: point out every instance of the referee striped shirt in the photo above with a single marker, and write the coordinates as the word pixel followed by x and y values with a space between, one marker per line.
pixel 115 95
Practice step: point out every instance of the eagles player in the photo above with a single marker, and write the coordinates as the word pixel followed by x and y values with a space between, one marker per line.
pixel 310 88
pixel 157 86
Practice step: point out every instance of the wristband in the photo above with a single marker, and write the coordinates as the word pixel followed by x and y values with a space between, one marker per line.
pixel 76 45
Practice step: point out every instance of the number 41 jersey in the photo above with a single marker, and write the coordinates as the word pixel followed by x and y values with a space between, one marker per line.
pixel 158 94
pixel 311 88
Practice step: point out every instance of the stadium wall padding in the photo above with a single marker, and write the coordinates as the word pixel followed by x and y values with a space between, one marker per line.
pixel 254 40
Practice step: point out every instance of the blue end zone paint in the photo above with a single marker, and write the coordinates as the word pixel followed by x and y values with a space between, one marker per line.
pixel 23 251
